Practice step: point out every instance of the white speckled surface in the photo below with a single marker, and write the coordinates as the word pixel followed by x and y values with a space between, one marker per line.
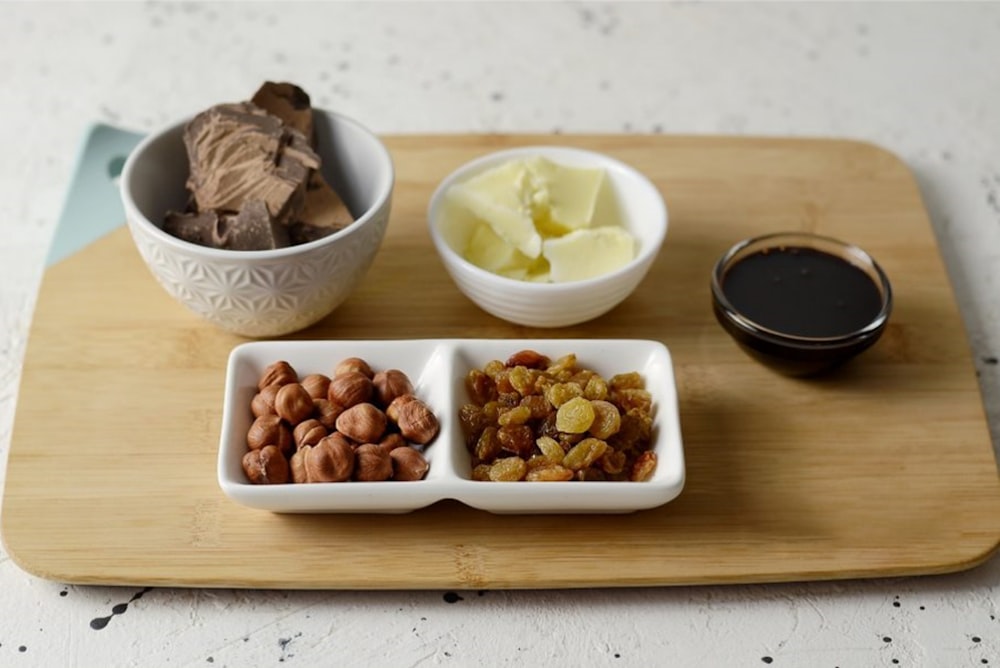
pixel 922 80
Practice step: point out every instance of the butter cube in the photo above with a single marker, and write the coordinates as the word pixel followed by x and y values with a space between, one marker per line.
pixel 569 192
pixel 490 252
pixel 502 197
pixel 582 254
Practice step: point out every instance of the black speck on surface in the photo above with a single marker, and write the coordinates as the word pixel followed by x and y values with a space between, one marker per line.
pixel 990 359
pixel 886 639
pixel 767 659
pixel 452 597
pixel 481 592
pixel 210 659
pixel 976 639
pixel 22 648
pixel 99 623
pixel 617 655
pixel 896 604
pixel 922 608
pixel 895 660
pixel 64 592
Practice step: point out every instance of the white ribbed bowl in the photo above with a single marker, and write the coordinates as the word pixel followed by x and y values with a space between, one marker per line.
pixel 643 214
pixel 271 292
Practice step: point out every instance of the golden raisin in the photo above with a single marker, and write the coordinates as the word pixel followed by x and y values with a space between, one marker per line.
pixel 508 469
pixel 626 381
pixel 522 379
pixel 560 393
pixel 537 405
pixel 575 416
pixel 596 388
pixel 551 473
pixel 487 448
pixel 584 453
pixel 607 419
pixel 550 449
pixel 515 415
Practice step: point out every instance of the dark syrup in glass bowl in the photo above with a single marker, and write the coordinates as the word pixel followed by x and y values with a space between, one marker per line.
pixel 801 303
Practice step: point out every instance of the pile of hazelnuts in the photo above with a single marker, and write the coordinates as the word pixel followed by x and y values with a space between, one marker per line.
pixel 353 425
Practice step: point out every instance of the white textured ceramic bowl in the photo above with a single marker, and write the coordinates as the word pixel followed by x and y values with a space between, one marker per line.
pixel 438 368
pixel 640 207
pixel 272 292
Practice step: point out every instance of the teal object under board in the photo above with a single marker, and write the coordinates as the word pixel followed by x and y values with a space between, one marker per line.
pixel 92 207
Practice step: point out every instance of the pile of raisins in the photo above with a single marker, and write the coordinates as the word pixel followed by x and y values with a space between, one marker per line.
pixel 531 418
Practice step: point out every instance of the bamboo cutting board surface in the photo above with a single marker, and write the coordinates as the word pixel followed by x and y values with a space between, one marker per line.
pixel 884 469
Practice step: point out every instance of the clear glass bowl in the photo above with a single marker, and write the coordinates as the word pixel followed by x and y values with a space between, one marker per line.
pixel 794 353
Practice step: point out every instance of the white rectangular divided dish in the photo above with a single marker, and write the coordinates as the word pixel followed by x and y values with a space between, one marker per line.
pixel 437 368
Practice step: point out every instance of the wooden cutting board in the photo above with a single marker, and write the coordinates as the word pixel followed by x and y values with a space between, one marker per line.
pixel 884 469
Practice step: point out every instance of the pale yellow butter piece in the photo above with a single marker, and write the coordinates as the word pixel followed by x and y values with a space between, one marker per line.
pixel 503 197
pixel 488 251
pixel 582 254
pixel 569 193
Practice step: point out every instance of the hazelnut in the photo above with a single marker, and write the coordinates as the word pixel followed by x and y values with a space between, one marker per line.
pixel 263 402
pixel 326 412
pixel 408 464
pixel 278 373
pixel 392 441
pixel 363 423
pixel 269 430
pixel 309 432
pixel 392 410
pixel 297 465
pixel 293 403
pixel 372 463
pixel 350 388
pixel 390 384
pixel 353 364
pixel 266 466
pixel 316 385
pixel 330 460
pixel 417 423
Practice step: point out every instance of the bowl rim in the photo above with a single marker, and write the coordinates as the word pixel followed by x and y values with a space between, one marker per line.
pixel 135 217
pixel 846 251
pixel 454 259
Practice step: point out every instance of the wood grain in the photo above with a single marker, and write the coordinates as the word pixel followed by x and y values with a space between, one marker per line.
pixel 884 469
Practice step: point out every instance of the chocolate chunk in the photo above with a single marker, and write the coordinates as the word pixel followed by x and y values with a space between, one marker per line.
pixel 254 182
pixel 322 206
pixel 238 151
pixel 289 103
pixel 250 229
pixel 196 228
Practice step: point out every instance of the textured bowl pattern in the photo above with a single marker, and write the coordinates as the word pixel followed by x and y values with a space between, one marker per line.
pixel 267 297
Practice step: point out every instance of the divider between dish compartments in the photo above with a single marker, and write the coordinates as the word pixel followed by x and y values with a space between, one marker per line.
pixel 433 386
